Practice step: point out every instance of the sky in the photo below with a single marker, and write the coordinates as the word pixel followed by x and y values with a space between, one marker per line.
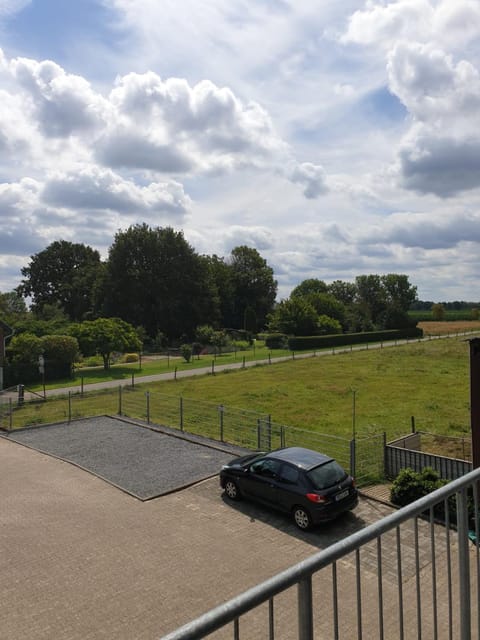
pixel 337 138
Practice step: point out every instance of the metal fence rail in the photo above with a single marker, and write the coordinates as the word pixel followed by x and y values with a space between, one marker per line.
pixel 363 456
pixel 409 575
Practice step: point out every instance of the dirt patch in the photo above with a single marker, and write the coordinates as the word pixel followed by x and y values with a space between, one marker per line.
pixel 433 328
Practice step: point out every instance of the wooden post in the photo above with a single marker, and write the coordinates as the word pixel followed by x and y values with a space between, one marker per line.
pixel 475 399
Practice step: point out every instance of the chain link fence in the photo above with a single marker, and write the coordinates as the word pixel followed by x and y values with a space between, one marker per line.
pixel 363 457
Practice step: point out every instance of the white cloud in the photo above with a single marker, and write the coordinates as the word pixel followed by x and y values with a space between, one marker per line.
pixel 311 177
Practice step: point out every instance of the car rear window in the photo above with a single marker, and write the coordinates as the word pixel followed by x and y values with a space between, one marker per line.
pixel 326 474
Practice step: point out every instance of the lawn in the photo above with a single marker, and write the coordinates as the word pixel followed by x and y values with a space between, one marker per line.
pixel 376 389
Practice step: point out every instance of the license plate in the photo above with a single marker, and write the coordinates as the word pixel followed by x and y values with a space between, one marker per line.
pixel 341 496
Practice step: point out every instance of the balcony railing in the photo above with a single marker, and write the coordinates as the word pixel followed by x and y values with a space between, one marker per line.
pixel 413 574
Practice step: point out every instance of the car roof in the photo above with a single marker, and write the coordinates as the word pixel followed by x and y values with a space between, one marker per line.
pixel 300 457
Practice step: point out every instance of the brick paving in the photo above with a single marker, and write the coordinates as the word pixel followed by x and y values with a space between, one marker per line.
pixel 80 559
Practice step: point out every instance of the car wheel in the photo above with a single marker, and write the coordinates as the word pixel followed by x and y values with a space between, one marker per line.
pixel 231 490
pixel 302 518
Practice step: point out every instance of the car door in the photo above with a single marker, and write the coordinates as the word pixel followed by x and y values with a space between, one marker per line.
pixel 260 482
pixel 289 486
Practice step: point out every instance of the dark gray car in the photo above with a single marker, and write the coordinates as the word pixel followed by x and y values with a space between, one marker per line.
pixel 311 486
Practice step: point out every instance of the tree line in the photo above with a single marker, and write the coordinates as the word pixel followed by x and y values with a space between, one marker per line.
pixel 154 290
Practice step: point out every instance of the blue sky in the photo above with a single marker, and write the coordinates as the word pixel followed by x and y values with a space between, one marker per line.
pixel 338 138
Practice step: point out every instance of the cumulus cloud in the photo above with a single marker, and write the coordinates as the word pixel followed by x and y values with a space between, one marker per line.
pixel 439 154
pixel 312 178
pixel 94 188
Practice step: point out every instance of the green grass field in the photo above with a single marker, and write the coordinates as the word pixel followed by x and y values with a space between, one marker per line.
pixel 428 380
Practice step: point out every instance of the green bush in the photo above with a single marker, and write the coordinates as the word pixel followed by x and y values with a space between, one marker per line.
pixel 130 357
pixel 411 485
pixel 276 340
pixel 186 351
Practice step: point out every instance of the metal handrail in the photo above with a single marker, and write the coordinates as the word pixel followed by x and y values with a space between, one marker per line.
pixel 301 573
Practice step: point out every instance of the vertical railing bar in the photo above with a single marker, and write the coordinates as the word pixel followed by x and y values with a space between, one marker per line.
pixel 417 580
pixel 359 595
pixel 236 629
pixel 477 550
pixel 380 588
pixel 400 584
pixel 434 575
pixel 335 600
pixel 463 565
pixel 449 569
pixel 271 620
pixel 305 609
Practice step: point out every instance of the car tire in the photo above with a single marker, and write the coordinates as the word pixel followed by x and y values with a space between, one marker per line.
pixel 302 518
pixel 231 490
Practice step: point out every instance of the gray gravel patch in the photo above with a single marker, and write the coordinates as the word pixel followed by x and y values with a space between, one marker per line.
pixel 142 461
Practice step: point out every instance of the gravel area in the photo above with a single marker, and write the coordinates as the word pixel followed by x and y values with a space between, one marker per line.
pixel 143 461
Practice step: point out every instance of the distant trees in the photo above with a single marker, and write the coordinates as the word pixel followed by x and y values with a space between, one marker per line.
pixel 371 302
pixel 152 279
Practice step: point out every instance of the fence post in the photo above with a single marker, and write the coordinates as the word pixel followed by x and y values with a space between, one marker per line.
pixel 133 380
pixel 213 367
pixel 243 363
pixel 269 432
pixel 69 406
pixel 259 433
pixel 10 419
pixel 147 395
pixel 463 565
pixel 120 400
pixel 81 386
pixel 181 413
pixel 412 419
pixel 282 436
pixel 353 452
pixel 221 409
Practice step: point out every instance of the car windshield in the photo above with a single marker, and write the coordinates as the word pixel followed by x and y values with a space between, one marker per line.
pixel 326 474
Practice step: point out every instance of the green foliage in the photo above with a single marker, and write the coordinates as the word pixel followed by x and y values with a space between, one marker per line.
pixel 276 340
pixel 204 334
pixel 25 348
pixel 130 357
pixel 475 314
pixel 186 351
pixel 250 320
pixel 63 274
pixel 62 349
pixel 253 285
pixel 328 326
pixel 438 312
pixel 411 485
pixel 302 343
pixel 157 280
pixel 308 287
pixel 104 336
pixel 295 316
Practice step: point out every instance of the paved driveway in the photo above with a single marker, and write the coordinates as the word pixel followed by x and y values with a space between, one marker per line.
pixel 80 559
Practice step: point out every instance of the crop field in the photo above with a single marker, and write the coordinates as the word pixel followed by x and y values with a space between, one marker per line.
pixel 435 328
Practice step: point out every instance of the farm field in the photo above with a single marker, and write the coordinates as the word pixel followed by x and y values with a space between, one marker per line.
pixel 435 328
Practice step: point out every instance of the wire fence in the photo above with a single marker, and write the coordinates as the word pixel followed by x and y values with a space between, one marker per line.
pixel 245 428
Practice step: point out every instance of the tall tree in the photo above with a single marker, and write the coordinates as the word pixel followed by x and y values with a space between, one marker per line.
pixel 343 291
pixel 309 286
pixel 253 285
pixel 64 275
pixel 155 279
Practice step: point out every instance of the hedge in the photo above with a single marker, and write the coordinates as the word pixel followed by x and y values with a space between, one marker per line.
pixel 302 343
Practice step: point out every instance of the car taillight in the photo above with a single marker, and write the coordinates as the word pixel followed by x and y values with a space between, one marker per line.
pixel 315 497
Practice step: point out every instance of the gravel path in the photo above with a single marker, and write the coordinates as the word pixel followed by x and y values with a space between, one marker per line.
pixel 143 461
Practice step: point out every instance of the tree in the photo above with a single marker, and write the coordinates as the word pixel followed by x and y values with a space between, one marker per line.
pixel 371 298
pixel 155 279
pixel 400 294
pixel 326 304
pixel 221 282
pixel 12 307
pixel 253 285
pixel 438 311
pixel 307 287
pixel 104 336
pixel 343 291
pixel 63 274
pixel 295 316
pixel 25 348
